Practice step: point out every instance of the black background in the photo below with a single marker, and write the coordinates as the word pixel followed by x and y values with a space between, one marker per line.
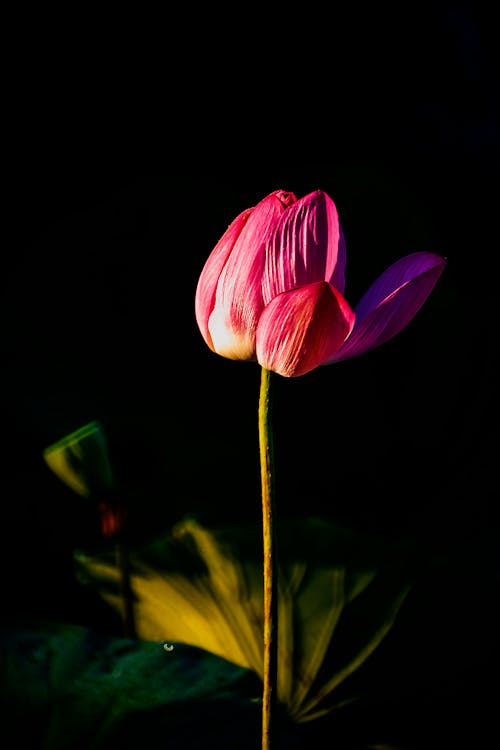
pixel 129 151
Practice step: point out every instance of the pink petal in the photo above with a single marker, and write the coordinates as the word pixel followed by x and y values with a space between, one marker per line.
pixel 298 330
pixel 306 247
pixel 207 283
pixel 391 303
pixel 238 298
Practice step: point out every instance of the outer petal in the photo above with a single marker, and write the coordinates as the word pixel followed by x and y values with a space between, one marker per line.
pixel 305 247
pixel 298 330
pixel 207 283
pixel 391 303
pixel 238 298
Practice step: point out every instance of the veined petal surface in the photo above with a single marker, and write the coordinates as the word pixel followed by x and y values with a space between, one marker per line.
pixel 238 298
pixel 306 246
pixel 391 303
pixel 209 277
pixel 298 330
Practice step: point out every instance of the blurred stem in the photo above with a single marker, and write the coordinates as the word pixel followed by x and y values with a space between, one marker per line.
pixel 270 674
pixel 113 524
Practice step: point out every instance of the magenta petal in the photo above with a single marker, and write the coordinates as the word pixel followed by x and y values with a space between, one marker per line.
pixel 391 303
pixel 238 300
pixel 305 247
pixel 224 288
pixel 299 330
pixel 207 283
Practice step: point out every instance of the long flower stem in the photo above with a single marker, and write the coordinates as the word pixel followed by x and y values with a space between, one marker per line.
pixel 270 673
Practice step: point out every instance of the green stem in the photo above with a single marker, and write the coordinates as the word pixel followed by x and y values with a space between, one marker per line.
pixel 270 673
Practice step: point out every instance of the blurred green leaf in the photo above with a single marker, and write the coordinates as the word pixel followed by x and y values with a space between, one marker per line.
pixel 81 460
pixel 66 687
pixel 339 596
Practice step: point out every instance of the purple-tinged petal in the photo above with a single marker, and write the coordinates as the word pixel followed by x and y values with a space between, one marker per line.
pixel 305 247
pixel 299 330
pixel 209 277
pixel 238 299
pixel 391 303
pixel 396 276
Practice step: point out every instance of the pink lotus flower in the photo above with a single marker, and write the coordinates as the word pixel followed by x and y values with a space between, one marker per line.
pixel 272 290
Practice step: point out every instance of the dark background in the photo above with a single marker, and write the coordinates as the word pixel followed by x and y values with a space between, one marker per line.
pixel 127 157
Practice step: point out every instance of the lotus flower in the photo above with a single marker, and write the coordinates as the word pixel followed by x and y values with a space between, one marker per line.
pixel 272 290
